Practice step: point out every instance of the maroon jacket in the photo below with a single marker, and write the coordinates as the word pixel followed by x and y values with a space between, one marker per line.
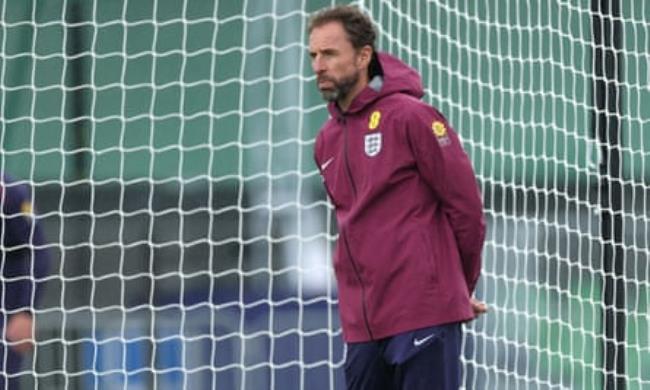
pixel 408 207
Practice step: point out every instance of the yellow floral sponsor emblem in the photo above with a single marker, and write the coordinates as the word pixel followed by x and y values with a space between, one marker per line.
pixel 374 120
pixel 439 129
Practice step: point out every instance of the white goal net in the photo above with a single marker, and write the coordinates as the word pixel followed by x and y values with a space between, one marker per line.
pixel 168 146
pixel 566 264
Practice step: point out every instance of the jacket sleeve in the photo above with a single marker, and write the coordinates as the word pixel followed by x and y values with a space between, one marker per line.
pixel 443 164
pixel 26 271
pixel 317 152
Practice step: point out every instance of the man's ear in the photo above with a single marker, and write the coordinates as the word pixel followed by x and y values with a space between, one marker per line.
pixel 364 57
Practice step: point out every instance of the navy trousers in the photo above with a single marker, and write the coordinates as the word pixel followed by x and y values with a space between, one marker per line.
pixel 423 359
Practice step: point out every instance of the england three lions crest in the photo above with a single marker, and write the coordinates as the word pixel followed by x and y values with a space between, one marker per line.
pixel 372 144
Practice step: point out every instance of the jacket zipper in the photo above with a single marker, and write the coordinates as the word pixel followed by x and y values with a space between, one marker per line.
pixel 346 159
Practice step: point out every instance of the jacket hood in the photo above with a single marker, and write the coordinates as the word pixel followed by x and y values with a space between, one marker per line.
pixel 396 77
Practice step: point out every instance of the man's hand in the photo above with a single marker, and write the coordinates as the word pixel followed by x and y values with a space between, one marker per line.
pixel 478 307
pixel 20 329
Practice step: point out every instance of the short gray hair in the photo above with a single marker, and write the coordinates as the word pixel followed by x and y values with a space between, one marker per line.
pixel 357 25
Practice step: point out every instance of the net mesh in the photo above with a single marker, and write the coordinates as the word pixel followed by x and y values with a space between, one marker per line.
pixel 517 82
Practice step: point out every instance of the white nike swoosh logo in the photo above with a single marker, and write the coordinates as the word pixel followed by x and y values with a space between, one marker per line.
pixel 326 164
pixel 418 342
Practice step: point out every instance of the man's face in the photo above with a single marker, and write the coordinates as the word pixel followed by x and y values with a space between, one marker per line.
pixel 334 60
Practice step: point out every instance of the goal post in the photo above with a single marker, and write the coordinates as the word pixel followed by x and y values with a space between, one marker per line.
pixel 168 146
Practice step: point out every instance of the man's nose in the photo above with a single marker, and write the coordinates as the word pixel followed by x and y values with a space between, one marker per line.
pixel 318 65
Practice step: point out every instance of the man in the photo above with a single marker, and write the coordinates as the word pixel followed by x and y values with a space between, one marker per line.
pixel 408 208
pixel 22 241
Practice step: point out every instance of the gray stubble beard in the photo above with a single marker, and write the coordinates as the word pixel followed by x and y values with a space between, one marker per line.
pixel 341 88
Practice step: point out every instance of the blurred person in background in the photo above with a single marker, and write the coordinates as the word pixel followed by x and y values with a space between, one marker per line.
pixel 408 208
pixel 24 265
